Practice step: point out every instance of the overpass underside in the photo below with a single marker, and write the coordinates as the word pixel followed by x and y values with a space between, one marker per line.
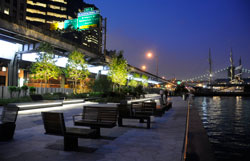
pixel 30 37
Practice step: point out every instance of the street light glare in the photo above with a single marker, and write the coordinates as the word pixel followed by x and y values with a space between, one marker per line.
pixel 149 55
pixel 144 67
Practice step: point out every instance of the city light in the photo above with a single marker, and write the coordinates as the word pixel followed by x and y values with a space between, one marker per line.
pixel 149 55
pixel 143 67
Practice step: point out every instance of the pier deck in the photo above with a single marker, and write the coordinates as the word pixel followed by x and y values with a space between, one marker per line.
pixel 164 141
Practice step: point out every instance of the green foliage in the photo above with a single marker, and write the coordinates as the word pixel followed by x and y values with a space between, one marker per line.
pixel 144 80
pixel 139 90
pixel 24 88
pixel 134 83
pixel 4 102
pixel 44 68
pixel 12 89
pixel 118 69
pixel 18 90
pixel 76 68
pixel 32 90
pixel 102 84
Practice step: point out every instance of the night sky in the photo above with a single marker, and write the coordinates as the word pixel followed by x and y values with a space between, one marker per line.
pixel 180 32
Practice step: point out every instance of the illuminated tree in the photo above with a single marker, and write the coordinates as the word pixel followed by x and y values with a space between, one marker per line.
pixel 44 68
pixel 76 68
pixel 118 70
pixel 133 82
pixel 144 80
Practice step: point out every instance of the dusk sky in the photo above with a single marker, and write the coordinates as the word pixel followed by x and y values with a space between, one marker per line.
pixel 179 32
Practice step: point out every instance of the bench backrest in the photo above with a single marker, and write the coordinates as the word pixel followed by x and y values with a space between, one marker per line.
pixel 53 123
pixel 107 114
pixel 149 106
pixel 100 114
pixel 9 113
pixel 124 110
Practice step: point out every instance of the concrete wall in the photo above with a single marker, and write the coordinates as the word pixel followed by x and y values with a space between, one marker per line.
pixel 4 92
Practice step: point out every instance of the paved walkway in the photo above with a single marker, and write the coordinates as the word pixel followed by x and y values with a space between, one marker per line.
pixel 163 142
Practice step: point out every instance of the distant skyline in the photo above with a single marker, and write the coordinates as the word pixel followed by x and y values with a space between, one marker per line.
pixel 180 33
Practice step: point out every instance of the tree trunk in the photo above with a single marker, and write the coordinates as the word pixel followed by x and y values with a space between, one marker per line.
pixel 75 86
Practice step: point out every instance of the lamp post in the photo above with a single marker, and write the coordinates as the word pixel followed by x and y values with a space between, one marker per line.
pixel 150 55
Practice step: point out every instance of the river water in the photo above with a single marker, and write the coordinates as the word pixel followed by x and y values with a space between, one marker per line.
pixel 227 122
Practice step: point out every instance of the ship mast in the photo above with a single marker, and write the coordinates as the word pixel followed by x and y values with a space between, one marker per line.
pixel 210 67
pixel 232 66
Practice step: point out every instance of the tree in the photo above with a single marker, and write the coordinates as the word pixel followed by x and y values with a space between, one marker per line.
pixel 76 68
pixel 118 70
pixel 133 83
pixel 144 81
pixel 44 68
pixel 102 84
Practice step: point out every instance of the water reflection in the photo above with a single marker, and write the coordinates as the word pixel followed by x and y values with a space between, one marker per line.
pixel 227 122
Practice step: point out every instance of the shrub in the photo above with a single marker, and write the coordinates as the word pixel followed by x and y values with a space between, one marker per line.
pixel 102 84
pixel 24 88
pixel 12 89
pixel 32 90
pixel 18 90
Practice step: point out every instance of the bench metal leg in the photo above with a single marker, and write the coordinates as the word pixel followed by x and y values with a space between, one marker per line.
pixel 141 120
pixel 70 143
pixel 98 131
pixel 148 123
pixel 7 131
pixel 119 121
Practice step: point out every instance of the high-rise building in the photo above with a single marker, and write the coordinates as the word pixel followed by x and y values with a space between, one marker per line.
pixel 40 12
pixel 45 12
pixel 14 8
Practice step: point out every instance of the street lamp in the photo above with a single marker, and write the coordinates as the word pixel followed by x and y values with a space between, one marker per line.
pixel 150 55
pixel 143 67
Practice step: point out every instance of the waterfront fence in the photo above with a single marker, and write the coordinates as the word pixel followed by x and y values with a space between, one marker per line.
pixel 5 93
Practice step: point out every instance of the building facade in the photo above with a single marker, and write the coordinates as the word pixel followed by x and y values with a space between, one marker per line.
pixel 39 12
pixel 14 8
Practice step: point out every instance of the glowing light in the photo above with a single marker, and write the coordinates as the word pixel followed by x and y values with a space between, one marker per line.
pixel 143 67
pixel 149 55
pixel 4 69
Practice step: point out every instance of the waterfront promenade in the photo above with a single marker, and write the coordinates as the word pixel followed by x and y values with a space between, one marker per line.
pixel 163 142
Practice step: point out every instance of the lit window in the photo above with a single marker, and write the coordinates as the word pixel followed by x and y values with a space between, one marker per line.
pixel 60 1
pixel 63 9
pixel 54 7
pixel 56 15
pixel 35 19
pixel 36 3
pixel 35 11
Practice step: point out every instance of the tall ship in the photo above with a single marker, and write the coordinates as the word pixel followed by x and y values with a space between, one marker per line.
pixel 233 85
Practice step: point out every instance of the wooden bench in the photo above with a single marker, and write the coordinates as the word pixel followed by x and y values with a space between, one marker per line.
pixel 8 122
pixel 152 106
pixel 97 117
pixel 54 125
pixel 134 111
